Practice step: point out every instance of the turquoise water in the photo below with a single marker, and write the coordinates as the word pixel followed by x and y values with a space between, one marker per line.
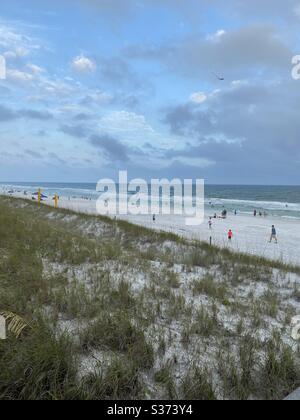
pixel 281 201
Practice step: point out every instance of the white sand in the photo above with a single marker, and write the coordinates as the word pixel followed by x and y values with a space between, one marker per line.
pixel 251 234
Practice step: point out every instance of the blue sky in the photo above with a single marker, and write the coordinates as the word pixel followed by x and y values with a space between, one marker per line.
pixel 97 86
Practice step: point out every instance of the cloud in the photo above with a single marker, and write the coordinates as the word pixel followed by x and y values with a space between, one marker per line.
pixel 244 51
pixel 96 97
pixel 82 64
pixel 118 71
pixel 19 52
pixel 265 9
pixel 77 131
pixel 190 161
pixel 126 122
pixel 55 157
pixel 56 88
pixel 19 76
pixel 35 115
pixel 194 12
pixel 33 154
pixel 249 126
pixel 250 129
pixel 15 42
pixel 112 147
pixel 216 37
pixel 35 69
pixel 5 91
pixel 6 114
pixel 82 117
pixel 198 97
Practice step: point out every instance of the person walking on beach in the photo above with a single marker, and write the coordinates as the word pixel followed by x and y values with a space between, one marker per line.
pixel 273 235
pixel 230 235
pixel 210 224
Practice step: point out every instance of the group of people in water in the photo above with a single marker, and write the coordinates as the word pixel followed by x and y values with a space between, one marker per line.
pixel 260 213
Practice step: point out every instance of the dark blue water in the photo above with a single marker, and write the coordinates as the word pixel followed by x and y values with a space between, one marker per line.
pixel 282 201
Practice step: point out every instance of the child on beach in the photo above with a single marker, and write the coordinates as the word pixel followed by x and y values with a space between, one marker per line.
pixel 230 235
pixel 273 235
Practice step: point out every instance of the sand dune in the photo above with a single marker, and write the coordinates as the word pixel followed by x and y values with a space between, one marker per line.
pixel 251 234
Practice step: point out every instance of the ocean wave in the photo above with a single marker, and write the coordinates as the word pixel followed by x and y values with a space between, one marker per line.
pixel 267 205
pixel 243 206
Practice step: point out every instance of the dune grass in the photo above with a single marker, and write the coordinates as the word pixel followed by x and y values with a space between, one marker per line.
pixel 118 311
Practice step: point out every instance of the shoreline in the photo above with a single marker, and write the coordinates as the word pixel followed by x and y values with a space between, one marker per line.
pixel 250 234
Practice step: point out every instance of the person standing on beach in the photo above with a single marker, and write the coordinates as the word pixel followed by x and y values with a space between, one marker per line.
pixel 56 199
pixel 273 235
pixel 230 235
pixel 210 224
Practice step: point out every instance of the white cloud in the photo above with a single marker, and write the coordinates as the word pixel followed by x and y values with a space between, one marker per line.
pixel 217 35
pixel 97 97
pixel 57 88
pixel 124 121
pixel 83 64
pixel 19 52
pixel 158 162
pixel 19 76
pixel 195 162
pixel 198 97
pixel 16 43
pixel 35 69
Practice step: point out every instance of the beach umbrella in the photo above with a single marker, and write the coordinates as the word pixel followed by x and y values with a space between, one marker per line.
pixel 42 195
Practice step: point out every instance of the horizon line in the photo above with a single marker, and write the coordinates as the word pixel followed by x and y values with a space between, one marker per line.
pixel 206 183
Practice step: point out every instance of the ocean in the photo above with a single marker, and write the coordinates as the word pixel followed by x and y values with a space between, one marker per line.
pixel 280 201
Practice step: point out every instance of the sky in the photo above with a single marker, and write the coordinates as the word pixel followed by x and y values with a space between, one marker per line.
pixel 97 86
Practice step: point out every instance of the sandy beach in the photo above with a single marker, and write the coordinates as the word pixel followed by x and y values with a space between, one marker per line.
pixel 251 234
pixel 115 305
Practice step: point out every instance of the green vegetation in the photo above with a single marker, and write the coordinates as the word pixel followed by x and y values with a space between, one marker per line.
pixel 115 311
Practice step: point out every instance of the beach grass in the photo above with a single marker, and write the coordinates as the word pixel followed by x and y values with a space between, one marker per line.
pixel 119 311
